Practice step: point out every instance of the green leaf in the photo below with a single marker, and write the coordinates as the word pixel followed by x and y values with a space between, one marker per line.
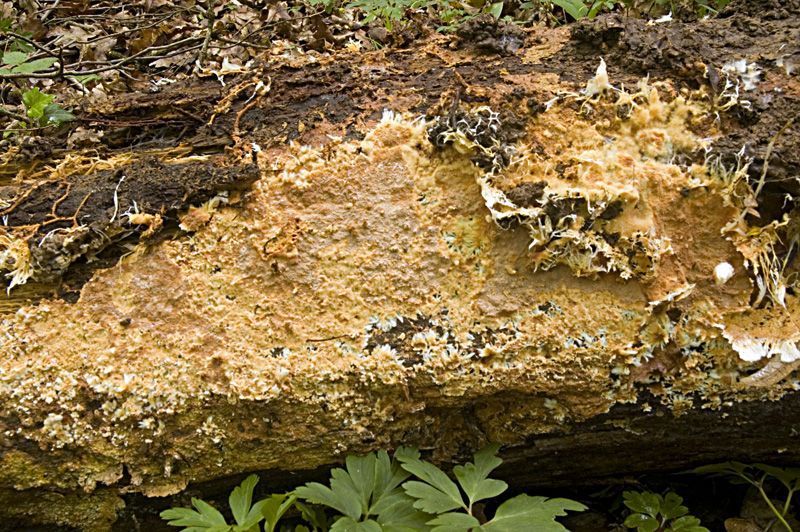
pixel 439 495
pixel 205 518
pixel 454 522
pixel 642 522
pixel 343 498
pixel 32 67
pixel 35 102
pixel 788 476
pixel 313 515
pixel 496 9
pixel 396 513
pixel 346 524
pixel 241 498
pixel 430 499
pixel 55 114
pixel 672 507
pixel 14 58
pixel 575 8
pixel 645 502
pixel 388 475
pixel 83 79
pixel 524 512
pixel 274 508
pixel 687 523
pixel 361 470
pixel 473 476
pixel 724 468
pixel 209 512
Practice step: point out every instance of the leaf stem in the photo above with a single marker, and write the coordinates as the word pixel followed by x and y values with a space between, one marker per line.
pixel 788 501
pixel 778 514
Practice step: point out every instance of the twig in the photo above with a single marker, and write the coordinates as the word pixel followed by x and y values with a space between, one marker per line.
pixel 763 179
pixel 12 114
pixel 201 57
pixel 50 10
pixel 114 66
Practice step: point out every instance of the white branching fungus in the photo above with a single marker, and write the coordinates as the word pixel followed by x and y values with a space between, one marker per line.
pixel 599 83
pixel 748 73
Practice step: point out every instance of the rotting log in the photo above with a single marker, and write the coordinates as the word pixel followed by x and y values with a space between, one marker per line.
pixel 540 263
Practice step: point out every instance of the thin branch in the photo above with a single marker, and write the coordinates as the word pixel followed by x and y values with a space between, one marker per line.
pixel 201 57
pixel 763 179
pixel 12 114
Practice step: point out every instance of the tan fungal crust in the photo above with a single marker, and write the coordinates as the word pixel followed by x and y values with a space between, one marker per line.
pixel 584 184
pixel 368 286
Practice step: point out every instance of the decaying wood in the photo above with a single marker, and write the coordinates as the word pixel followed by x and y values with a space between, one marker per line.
pixel 381 280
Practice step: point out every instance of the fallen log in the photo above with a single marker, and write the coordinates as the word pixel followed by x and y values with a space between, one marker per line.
pixel 534 246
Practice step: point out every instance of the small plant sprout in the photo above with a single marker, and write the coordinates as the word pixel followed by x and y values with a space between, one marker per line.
pixel 650 512
pixel 457 506
pixel 246 514
pixel 367 496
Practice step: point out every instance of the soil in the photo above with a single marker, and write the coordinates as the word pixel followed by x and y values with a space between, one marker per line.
pixel 487 34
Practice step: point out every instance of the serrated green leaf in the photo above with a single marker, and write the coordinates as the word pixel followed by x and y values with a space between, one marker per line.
pixel 388 475
pixel 672 507
pixel 14 58
pixel 448 498
pixel 645 502
pixel 35 102
pixel 241 498
pixel 273 509
pixel 183 517
pixel 361 470
pixel 343 497
pixel 205 518
pixel 473 476
pixel 395 512
pixel 430 499
pixel 346 524
pixel 642 522
pixel 524 512
pixel 454 522
pixel 688 523
pixel 212 515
